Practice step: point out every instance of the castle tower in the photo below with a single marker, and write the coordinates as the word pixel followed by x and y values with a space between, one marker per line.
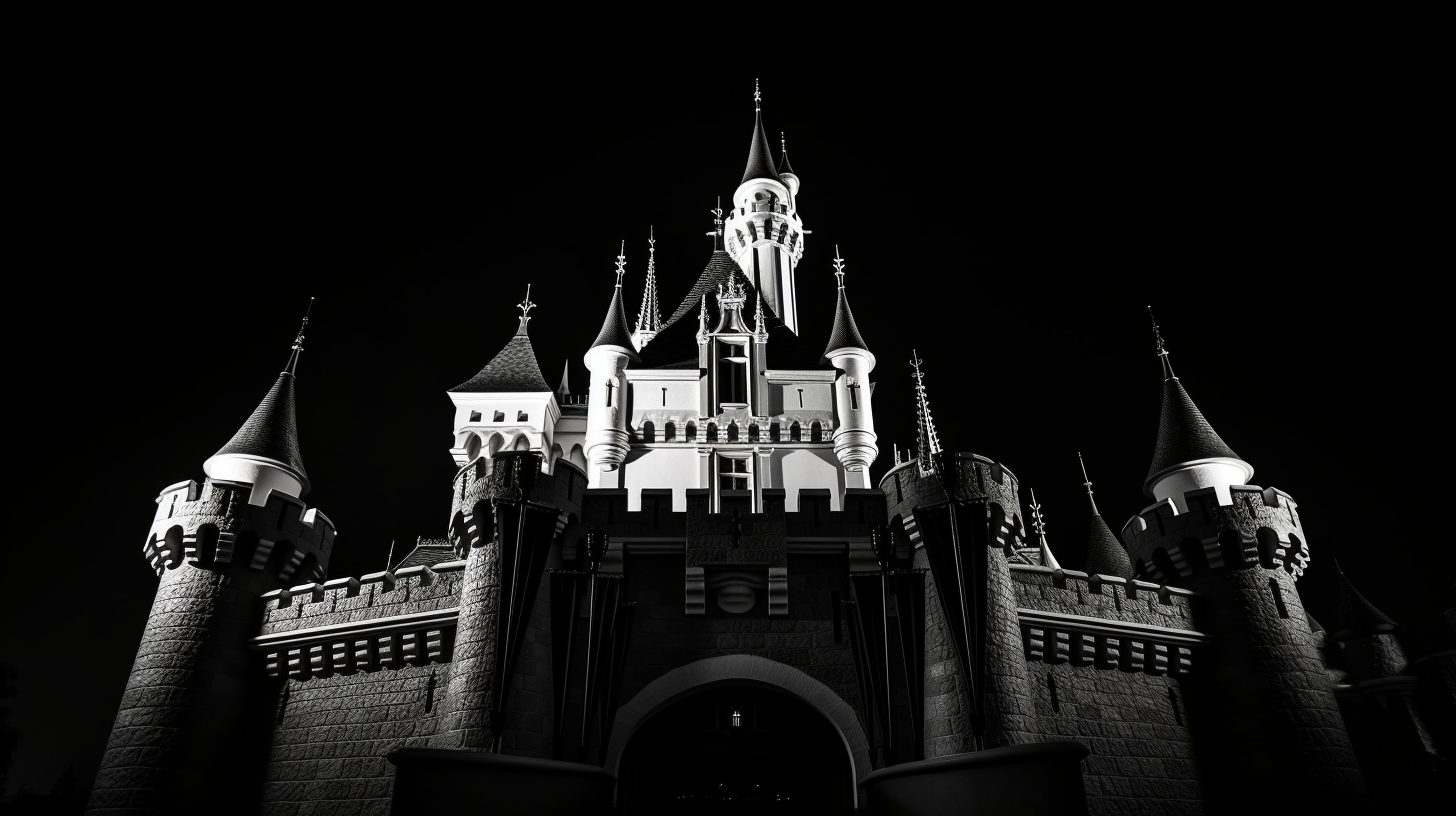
pixel 854 441
pixel 186 732
pixel 607 360
pixel 1105 554
pixel 507 405
pixel 1272 716
pixel 763 230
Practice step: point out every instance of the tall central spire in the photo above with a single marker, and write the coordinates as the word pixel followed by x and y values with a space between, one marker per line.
pixel 760 155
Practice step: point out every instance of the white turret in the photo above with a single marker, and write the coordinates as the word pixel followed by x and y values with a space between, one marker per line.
pixel 763 231
pixel 607 359
pixel 854 441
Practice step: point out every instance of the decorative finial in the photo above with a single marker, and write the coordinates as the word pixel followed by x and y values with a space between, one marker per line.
pixel 716 233
pixel 1087 483
pixel 526 306
pixel 649 317
pixel 839 268
pixel 1162 349
pixel 927 441
pixel 1038 526
pixel 783 143
pixel 757 97
pixel 621 262
pixel 298 341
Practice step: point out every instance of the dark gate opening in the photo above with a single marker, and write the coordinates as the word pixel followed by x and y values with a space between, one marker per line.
pixel 736 749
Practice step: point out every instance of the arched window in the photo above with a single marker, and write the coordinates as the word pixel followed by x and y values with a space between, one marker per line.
pixel 1295 548
pixel 207 544
pixel 280 560
pixel 521 444
pixel 172 544
pixel 732 430
pixel 669 431
pixel 1231 547
pixel 480 526
pixel 244 548
pixel 816 431
pixel 774 431
pixel 796 433
pixel 307 570
pixel 1268 547
pixel 712 432
pixel 649 431
pixel 753 432
pixel 1164 563
pixel 691 434
pixel 459 536
pixel 472 447
pixel 493 447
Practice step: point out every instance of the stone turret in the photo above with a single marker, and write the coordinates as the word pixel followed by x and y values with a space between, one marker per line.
pixel 607 359
pixel 854 441
pixel 191 712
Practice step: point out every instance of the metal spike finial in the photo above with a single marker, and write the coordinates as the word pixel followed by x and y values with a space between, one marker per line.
pixel 757 97
pixel 621 262
pixel 1162 349
pixel 649 316
pixel 297 347
pixel 1038 526
pixel 838 266
pixel 526 306
pixel 783 143
pixel 1087 483
pixel 927 441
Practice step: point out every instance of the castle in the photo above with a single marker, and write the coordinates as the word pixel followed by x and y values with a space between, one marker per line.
pixel 680 588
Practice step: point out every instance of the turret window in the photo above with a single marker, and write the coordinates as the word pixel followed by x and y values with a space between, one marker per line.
pixel 648 431
pixel 610 386
pixel 796 432
pixel 474 416
pixel 500 416
pixel 691 434
pixel 732 431
pixel 712 432
pixel 522 417
pixel 669 431
pixel 816 431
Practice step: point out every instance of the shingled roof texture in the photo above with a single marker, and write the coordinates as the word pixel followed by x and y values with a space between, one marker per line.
pixel 514 369
pixel 272 430
pixel 1183 434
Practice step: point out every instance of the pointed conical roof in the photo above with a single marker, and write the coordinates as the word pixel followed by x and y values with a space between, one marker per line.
pixel 271 432
pixel 721 268
pixel 760 157
pixel 845 333
pixel 1357 615
pixel 649 316
pixel 513 369
pixel 1183 434
pixel 1105 553
pixel 784 166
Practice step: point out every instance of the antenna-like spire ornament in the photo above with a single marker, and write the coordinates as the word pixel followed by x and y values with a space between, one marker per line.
pixel 783 143
pixel 1087 483
pixel 526 306
pixel 1038 526
pixel 298 340
pixel 757 97
pixel 927 441
pixel 839 267
pixel 621 262
pixel 1162 349
pixel 649 316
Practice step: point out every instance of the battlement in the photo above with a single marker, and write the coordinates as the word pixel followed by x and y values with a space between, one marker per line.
pixel 350 600
pixel 1103 596
pixel 1258 526
pixel 972 477
pixel 214 524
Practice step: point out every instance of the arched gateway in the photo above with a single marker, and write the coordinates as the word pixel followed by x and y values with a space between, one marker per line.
pixel 695 680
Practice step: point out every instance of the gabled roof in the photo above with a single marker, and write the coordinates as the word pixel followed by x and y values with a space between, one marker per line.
pixel 1183 434
pixel 845 333
pixel 513 369
pixel 760 157
pixel 429 552
pixel 720 269
pixel 614 329
pixel 272 430
pixel 1105 553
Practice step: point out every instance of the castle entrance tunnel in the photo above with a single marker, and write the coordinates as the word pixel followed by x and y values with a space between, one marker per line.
pixel 736 748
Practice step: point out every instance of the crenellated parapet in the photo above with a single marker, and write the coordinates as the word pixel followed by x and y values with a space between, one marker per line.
pixel 385 620
pixel 213 525
pixel 1258 526
pixel 473 489
pixel 968 477
pixel 1104 621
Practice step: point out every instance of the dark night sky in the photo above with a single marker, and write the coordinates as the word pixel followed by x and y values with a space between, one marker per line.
pixel 1011 220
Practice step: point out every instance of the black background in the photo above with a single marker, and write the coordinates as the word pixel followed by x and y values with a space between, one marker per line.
pixel 1011 219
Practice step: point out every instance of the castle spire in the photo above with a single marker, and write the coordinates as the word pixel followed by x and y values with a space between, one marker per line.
pixel 1186 442
pixel 1038 526
pixel 564 389
pixel 649 316
pixel 845 333
pixel 514 368
pixel 1105 553
pixel 784 167
pixel 717 230
pixel 267 443
pixel 292 366
pixel 927 442
pixel 614 328
pixel 760 155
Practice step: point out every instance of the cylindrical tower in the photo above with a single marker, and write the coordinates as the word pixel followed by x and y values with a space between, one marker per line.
pixel 607 359
pixel 763 231
pixel 187 726
pixel 854 437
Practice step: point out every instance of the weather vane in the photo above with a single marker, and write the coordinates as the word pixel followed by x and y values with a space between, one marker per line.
pixel 526 306
pixel 838 266
pixel 1038 524
pixel 621 261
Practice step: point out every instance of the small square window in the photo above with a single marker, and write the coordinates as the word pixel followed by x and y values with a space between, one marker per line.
pixel 500 416
pixel 521 416
pixel 474 416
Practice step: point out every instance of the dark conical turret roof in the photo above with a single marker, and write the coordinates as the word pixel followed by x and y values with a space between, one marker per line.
pixel 1357 615
pixel 1105 553
pixel 614 329
pixel 784 166
pixel 845 333
pixel 513 369
pixel 272 430
pixel 1183 434
pixel 760 157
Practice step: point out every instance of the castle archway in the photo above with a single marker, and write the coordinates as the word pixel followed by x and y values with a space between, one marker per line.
pixel 807 698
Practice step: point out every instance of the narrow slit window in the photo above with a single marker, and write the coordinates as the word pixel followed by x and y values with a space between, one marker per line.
pixel 1278 597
